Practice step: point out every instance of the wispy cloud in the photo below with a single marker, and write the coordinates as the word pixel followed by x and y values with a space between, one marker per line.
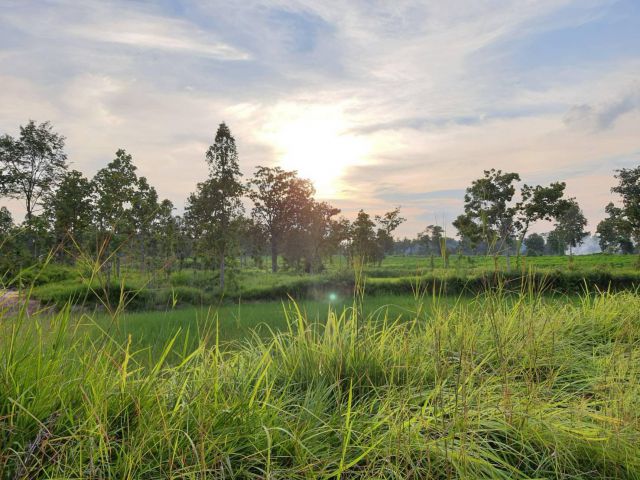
pixel 603 116
pixel 430 92
pixel 157 33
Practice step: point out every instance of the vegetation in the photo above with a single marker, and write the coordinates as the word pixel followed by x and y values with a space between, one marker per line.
pixel 117 221
pixel 494 388
pixel 454 364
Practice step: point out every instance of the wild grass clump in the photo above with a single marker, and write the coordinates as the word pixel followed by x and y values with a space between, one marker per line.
pixel 494 388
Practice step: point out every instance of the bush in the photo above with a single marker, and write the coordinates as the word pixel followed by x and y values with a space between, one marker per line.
pixel 181 295
pixel 81 293
pixel 42 275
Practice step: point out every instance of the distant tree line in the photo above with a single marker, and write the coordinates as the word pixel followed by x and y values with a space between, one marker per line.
pixel 117 217
pixel 498 216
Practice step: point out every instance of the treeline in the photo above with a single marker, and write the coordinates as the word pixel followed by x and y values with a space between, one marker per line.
pixel 498 216
pixel 117 218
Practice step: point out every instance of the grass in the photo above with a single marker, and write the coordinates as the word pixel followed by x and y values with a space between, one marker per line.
pixel 396 275
pixel 492 387
pixel 235 323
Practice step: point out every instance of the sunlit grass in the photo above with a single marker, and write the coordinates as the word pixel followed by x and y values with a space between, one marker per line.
pixel 495 387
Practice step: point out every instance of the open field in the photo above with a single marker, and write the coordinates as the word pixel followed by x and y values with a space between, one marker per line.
pixel 395 275
pixel 495 387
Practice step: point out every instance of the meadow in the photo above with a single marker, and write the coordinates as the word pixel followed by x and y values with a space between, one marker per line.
pixel 496 386
pixel 344 380
pixel 396 275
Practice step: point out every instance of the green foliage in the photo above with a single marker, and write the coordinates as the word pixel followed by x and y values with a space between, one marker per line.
pixel 32 165
pixel 500 387
pixel 615 231
pixel 535 245
pixel 570 226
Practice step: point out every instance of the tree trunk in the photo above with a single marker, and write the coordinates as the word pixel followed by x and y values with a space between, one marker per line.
pixel 508 257
pixel 222 265
pixel 142 253
pixel 274 256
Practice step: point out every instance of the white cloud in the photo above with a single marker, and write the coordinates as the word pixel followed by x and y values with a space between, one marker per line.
pixel 150 32
pixel 428 87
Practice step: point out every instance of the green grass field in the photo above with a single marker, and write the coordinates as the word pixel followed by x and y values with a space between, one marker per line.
pixel 396 275
pixel 236 323
pixel 492 387
pixel 415 384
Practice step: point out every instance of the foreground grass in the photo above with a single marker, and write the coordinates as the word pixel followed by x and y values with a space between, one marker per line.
pixel 492 388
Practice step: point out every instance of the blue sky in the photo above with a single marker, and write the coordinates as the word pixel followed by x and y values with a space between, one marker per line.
pixel 381 103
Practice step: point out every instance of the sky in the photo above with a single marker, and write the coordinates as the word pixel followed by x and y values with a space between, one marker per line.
pixel 380 103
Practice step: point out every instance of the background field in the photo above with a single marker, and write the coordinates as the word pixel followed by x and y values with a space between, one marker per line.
pixel 394 276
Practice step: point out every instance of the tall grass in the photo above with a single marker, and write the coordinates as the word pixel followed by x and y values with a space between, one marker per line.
pixel 493 388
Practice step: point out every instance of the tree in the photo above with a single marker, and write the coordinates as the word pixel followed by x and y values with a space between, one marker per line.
pixel 570 226
pixel 31 165
pixel 387 224
pixel 144 210
pixel 535 245
pixel 279 198
pixel 217 204
pixel 338 237
pixel 492 216
pixel 629 189
pixel 363 238
pixel 309 239
pixel 6 222
pixel 469 231
pixel 224 171
pixel 432 238
pixel 115 186
pixel 556 244
pixel 489 213
pixel 539 203
pixel 253 241
pixel 70 208
pixel 614 232
pixel 166 232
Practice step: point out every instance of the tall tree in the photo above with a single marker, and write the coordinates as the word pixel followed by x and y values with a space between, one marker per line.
pixel 539 203
pixel 432 238
pixel 144 210
pixel 217 202
pixel 279 197
pixel 115 186
pixel 70 208
pixel 629 189
pixel 6 222
pixel 32 164
pixel 555 245
pixel 166 233
pixel 309 238
pixel 535 245
pixel 387 224
pixel 570 226
pixel 492 215
pixel 614 232
pixel 489 211
pixel 363 238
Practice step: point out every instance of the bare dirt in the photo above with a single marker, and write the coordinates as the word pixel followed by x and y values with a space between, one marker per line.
pixel 11 301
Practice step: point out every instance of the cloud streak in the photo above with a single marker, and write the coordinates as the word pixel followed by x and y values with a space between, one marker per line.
pixel 431 92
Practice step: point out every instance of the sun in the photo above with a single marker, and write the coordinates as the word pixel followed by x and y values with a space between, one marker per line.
pixel 317 142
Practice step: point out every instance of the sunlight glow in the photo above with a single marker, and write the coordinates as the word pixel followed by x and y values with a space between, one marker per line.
pixel 316 142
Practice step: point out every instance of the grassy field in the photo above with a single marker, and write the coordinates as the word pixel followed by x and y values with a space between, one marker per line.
pixel 493 387
pixel 235 323
pixel 396 275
